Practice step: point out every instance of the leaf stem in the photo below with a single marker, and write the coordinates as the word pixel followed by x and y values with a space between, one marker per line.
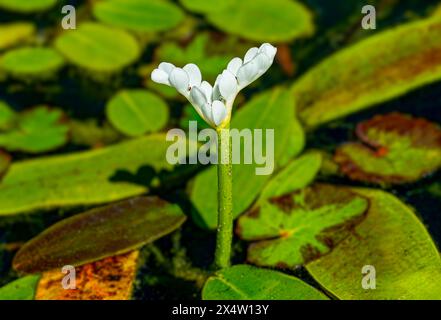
pixel 225 199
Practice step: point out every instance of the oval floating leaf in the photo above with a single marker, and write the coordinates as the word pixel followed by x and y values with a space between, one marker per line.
pixel 31 62
pixel 105 231
pixel 261 20
pixel 395 243
pixel 269 110
pixel 90 177
pixel 98 48
pixel 243 282
pixel 377 69
pixel 20 289
pixel 7 116
pixel 136 112
pixel 107 279
pixel 203 6
pixel 400 149
pixel 299 227
pixel 298 174
pixel 139 15
pixel 36 130
pixel 15 33
pixel 27 6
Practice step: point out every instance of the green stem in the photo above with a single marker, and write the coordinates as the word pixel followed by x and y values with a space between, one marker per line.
pixel 225 199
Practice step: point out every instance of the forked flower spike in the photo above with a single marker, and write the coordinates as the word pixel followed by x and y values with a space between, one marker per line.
pixel 214 103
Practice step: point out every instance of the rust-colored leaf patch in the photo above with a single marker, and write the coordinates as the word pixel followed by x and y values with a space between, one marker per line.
pixel 396 149
pixel 5 161
pixel 107 279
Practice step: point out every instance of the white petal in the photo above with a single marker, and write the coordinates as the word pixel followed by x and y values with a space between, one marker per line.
pixel 228 85
pixel 247 73
pixel 251 53
pixel 206 113
pixel 160 76
pixel 216 92
pixel 179 79
pixel 234 65
pixel 269 50
pixel 198 97
pixel 207 89
pixel 263 63
pixel 194 74
pixel 166 67
pixel 219 112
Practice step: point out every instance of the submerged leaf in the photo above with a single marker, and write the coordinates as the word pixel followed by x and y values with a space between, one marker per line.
pixel 106 231
pixel 20 289
pixel 300 227
pixel 243 282
pixel 139 15
pixel 399 149
pixel 375 70
pixel 31 62
pixel 27 6
pixel 278 20
pixel 107 279
pixel 269 110
pixel 395 243
pixel 15 33
pixel 136 112
pixel 90 177
pixel 37 130
pixel 98 47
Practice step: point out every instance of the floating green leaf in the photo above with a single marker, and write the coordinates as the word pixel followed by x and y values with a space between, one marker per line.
pixel 91 177
pixel 203 6
pixel 37 130
pixel 27 6
pixel 400 149
pixel 298 174
pixel 98 48
pixel 139 15
pixel 375 70
pixel 14 33
pixel 5 161
pixel 136 112
pixel 269 110
pixel 20 289
pixel 395 243
pixel 300 227
pixel 261 20
pixel 243 282
pixel 31 62
pixel 106 231
pixel 7 116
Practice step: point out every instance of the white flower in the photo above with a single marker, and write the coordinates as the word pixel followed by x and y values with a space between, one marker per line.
pixel 214 103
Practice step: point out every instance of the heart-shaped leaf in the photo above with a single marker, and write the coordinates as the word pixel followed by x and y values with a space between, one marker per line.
pixel 90 177
pixel 393 241
pixel 139 15
pixel 106 231
pixel 136 112
pixel 278 20
pixel 37 130
pixel 299 227
pixel 377 69
pixel 20 289
pixel 243 282
pixel 398 149
pixel 107 279
pixel 98 47
pixel 32 62
pixel 27 6
pixel 269 110
pixel 298 174
pixel 15 33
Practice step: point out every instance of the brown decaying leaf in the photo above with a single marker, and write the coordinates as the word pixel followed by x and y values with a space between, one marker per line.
pixel 107 279
pixel 284 58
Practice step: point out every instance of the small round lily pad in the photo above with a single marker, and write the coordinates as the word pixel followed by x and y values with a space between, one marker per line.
pixel 97 47
pixel 14 33
pixel 396 149
pixel 27 6
pixel 139 15
pixel 31 62
pixel 136 112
